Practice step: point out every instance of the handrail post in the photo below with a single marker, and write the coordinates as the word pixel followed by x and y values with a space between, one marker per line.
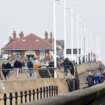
pixel 16 97
pixel 37 92
pixel 25 94
pixel 40 93
pixel 47 92
pixel 43 92
pixel 52 90
pixel 21 97
pixel 29 95
pixel 5 99
pixel 11 97
pixel 33 94
pixel 56 90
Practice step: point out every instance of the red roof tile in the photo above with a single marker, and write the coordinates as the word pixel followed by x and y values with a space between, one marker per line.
pixel 31 42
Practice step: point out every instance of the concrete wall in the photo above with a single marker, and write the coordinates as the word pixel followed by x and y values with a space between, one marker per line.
pixel 17 86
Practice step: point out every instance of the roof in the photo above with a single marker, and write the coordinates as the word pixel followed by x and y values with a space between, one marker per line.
pixel 29 42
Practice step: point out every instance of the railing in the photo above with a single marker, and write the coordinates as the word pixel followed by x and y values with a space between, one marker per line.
pixel 29 96
pixel 90 96
pixel 14 72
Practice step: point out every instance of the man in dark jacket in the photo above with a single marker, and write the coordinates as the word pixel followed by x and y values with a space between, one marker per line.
pixel 17 65
pixel 90 79
pixel 4 71
pixel 8 67
pixel 66 66
pixel 30 67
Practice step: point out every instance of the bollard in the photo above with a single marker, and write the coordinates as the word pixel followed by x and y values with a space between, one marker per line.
pixel 16 98
pixel 29 95
pixel 33 94
pixel 11 97
pixel 21 97
pixel 5 99
pixel 40 93
pixel 25 94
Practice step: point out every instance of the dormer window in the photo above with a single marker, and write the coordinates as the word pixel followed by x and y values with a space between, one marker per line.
pixel 37 40
pixel 23 40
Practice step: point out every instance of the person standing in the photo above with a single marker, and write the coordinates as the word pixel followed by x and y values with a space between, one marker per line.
pixel 8 68
pixel 30 67
pixel 4 71
pixel 36 68
pixel 17 65
pixel 90 79
pixel 66 66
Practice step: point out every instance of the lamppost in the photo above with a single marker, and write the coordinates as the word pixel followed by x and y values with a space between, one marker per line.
pixel 54 28
pixel 77 24
pixel 54 14
pixel 81 42
pixel 72 34
pixel 65 29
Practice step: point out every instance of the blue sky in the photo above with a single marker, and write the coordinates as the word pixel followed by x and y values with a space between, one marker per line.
pixel 36 16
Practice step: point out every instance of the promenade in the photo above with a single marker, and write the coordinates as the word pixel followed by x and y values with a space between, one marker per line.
pixel 23 82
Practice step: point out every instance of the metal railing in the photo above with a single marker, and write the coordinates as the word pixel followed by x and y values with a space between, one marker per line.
pixel 29 96
pixel 14 72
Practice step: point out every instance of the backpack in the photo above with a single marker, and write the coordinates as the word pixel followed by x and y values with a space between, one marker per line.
pixel 30 64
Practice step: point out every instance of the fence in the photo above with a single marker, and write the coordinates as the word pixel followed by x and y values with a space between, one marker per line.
pixel 29 96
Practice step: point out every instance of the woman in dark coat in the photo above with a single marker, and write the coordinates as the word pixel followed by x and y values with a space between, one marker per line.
pixel 4 71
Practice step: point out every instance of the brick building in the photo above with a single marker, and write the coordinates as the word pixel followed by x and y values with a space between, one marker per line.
pixel 25 46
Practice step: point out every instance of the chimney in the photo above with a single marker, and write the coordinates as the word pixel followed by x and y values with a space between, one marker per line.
pixel 14 35
pixel 21 35
pixel 46 35
pixel 10 39
pixel 51 35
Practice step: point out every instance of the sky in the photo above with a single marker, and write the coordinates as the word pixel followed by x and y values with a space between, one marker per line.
pixel 36 16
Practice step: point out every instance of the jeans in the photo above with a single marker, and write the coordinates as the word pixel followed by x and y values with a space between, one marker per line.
pixel 66 71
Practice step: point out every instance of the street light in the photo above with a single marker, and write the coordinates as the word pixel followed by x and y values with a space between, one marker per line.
pixel 65 29
pixel 77 39
pixel 72 34
pixel 54 13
